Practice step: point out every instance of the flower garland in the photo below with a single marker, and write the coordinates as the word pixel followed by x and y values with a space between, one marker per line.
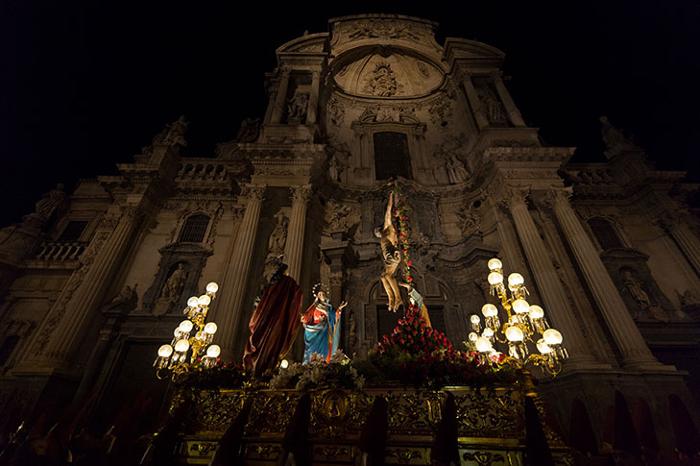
pixel 401 211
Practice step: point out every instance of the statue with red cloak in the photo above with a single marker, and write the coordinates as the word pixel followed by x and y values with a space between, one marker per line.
pixel 274 323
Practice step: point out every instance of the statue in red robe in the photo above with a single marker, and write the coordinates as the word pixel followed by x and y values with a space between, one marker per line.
pixel 274 323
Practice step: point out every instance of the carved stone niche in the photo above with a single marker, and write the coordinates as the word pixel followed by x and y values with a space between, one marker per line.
pixel 177 278
pixel 644 299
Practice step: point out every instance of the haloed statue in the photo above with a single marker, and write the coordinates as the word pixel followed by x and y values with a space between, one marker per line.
pixel 321 326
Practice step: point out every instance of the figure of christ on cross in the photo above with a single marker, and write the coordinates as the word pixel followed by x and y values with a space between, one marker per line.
pixel 391 254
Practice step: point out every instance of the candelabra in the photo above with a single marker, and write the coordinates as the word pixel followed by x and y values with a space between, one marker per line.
pixel 525 325
pixel 190 339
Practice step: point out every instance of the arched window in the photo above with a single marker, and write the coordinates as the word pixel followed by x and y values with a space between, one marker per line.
pixel 605 233
pixel 581 434
pixel 194 229
pixel 687 436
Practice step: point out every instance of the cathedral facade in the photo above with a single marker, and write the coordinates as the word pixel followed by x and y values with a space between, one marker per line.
pixel 94 281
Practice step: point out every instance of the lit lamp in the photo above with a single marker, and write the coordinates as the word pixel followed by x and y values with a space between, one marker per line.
pixel 192 338
pixel 524 329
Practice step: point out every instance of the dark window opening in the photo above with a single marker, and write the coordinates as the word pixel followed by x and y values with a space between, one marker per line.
pixel 605 233
pixel 194 229
pixel 8 346
pixel 73 230
pixel 391 156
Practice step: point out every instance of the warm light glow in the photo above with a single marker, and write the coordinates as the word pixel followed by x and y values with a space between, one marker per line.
pixel 514 334
pixel 185 326
pixel 483 345
pixel 204 300
pixel 536 312
pixel 210 328
pixel 284 364
pixel 213 351
pixel 475 319
pixel 212 287
pixel 165 351
pixel 182 346
pixel 473 336
pixel 193 301
pixel 489 310
pixel 488 333
pixel 515 280
pixel 552 337
pixel 495 264
pixel 543 347
pixel 520 306
pixel 495 278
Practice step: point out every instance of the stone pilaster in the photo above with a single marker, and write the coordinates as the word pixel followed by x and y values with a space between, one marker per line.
pixel 61 333
pixel 513 113
pixel 686 240
pixel 228 312
pixel 313 98
pixel 297 227
pixel 555 303
pixel 280 97
pixel 475 103
pixel 634 350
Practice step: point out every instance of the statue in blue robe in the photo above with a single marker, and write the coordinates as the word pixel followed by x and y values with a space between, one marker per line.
pixel 321 327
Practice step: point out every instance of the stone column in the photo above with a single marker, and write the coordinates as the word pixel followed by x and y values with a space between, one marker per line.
pixel 556 304
pixel 294 248
pixel 512 110
pixel 634 350
pixel 475 103
pixel 71 321
pixel 687 242
pixel 280 97
pixel 313 99
pixel 229 302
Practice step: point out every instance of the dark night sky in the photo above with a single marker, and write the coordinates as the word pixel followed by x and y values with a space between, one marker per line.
pixel 84 84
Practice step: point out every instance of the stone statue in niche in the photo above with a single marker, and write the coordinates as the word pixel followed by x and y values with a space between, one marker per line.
pixel 249 130
pixel 297 107
pixel 339 155
pixel 615 141
pixel 646 307
pixel 456 172
pixel 126 300
pixel 492 106
pixel 382 81
pixel 336 111
pixel 172 289
pixel 275 245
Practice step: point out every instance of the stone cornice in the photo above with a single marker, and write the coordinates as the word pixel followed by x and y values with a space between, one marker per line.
pixel 549 155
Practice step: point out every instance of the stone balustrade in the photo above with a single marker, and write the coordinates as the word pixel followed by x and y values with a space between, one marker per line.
pixel 201 171
pixel 60 251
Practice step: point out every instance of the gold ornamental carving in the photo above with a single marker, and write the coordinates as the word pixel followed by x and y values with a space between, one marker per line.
pixel 497 413
pixel 272 412
pixel 339 413
pixel 415 413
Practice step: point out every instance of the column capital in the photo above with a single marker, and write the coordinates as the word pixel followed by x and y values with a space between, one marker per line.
pixel 254 192
pixel 301 193
pixel 547 199
pixel 514 196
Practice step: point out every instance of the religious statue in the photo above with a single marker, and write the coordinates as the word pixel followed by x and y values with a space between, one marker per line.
pixel 615 141
pixel 321 326
pixel 274 323
pixel 50 202
pixel 276 244
pixel 126 300
pixel 297 107
pixel 491 105
pixel 634 287
pixel 174 284
pixel 249 130
pixel 278 238
pixel 172 135
pixel 456 172
pixel 389 242
pixel 382 81
pixel 416 299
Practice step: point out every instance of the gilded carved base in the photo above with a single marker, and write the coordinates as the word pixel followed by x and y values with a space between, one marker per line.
pixel 340 426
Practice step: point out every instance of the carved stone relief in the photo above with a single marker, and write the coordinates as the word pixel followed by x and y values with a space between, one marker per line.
pixel 276 244
pixel 336 111
pixel 491 104
pixel 382 81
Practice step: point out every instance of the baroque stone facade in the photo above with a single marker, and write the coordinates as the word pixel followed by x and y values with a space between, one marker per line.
pixel 93 281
